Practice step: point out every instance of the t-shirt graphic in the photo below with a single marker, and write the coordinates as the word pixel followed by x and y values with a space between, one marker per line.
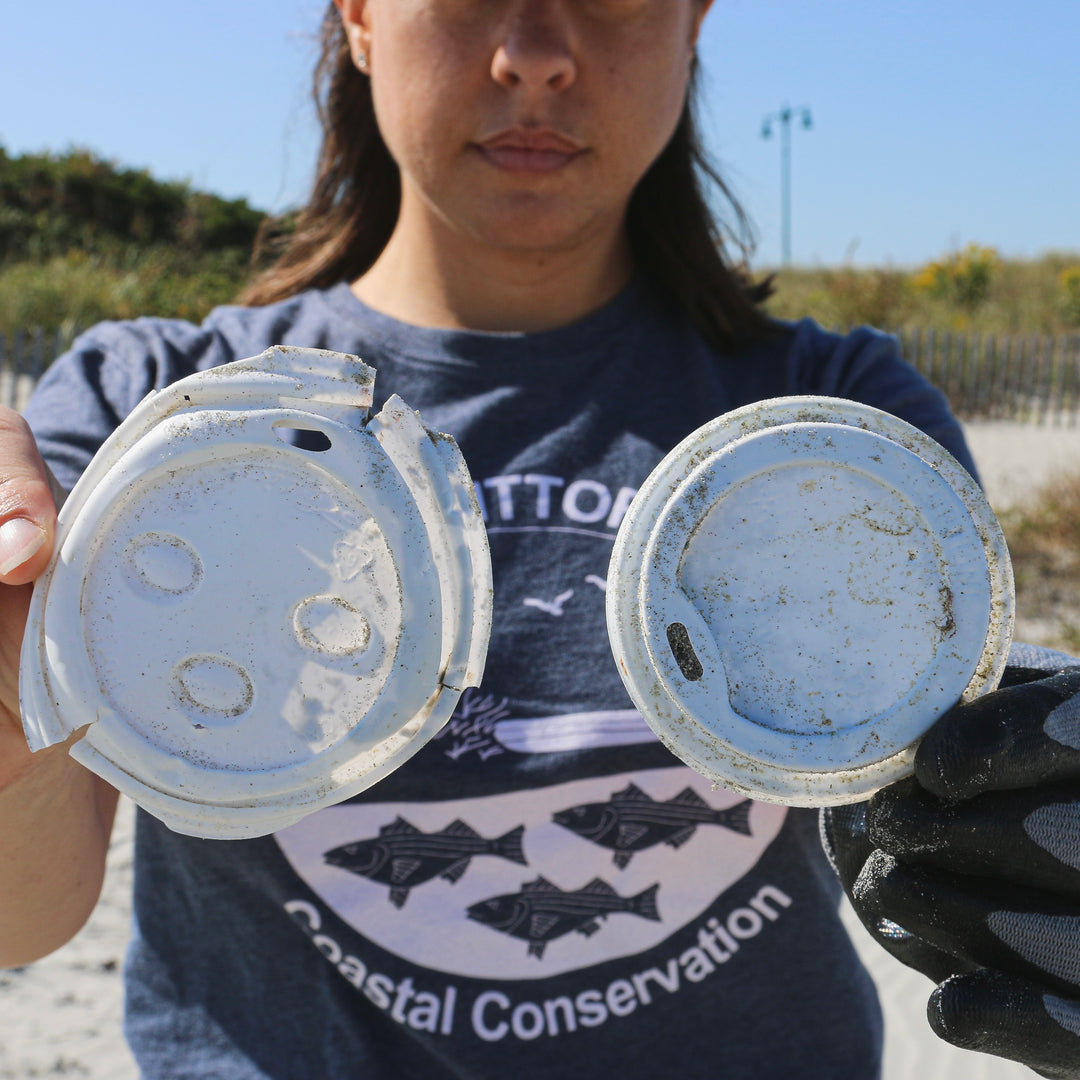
pixel 503 867
pixel 610 873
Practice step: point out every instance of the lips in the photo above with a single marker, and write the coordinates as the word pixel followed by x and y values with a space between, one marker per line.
pixel 529 150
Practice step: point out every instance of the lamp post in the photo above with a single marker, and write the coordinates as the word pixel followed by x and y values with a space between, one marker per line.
pixel 784 118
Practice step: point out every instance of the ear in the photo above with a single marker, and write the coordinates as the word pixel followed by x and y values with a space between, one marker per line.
pixel 699 17
pixel 355 19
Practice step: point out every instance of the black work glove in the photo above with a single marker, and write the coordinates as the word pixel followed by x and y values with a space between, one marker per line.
pixel 970 871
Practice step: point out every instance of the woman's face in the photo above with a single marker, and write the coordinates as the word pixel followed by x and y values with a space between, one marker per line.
pixel 524 124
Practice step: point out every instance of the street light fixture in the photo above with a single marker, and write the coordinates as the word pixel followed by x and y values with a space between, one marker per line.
pixel 784 118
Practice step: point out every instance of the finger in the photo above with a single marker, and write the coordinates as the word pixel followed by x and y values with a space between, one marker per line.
pixel 1010 1017
pixel 912 951
pixel 27 503
pixel 847 843
pixel 1030 836
pixel 980 922
pixel 845 839
pixel 1022 736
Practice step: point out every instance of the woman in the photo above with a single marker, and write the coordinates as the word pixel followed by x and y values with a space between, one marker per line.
pixel 507 225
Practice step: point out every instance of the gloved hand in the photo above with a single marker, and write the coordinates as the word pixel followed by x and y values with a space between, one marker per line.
pixel 970 871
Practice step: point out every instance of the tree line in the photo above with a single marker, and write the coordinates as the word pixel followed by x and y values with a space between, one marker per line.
pixel 51 204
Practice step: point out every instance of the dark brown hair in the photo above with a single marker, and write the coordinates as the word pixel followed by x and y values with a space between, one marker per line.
pixel 676 239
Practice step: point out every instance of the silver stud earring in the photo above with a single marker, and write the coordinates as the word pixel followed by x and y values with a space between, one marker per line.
pixel 361 61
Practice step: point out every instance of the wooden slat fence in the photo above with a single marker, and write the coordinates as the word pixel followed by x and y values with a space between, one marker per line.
pixel 24 355
pixel 1032 379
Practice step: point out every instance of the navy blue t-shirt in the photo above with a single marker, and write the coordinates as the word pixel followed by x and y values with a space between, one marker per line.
pixel 608 913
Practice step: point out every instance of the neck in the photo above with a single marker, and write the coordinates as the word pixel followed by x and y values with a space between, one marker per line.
pixel 428 278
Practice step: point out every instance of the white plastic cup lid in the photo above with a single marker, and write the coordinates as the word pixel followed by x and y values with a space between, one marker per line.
pixel 799 590
pixel 262 599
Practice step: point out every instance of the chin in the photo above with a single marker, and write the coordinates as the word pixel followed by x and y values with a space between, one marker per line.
pixel 537 233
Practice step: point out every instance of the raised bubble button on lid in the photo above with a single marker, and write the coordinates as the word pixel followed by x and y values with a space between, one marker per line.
pixel 799 590
pixel 262 599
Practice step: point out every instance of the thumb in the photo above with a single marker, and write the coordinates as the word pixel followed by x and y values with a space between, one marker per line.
pixel 28 500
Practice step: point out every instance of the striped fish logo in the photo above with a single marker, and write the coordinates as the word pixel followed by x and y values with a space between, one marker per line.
pixel 403 857
pixel 632 821
pixel 542 912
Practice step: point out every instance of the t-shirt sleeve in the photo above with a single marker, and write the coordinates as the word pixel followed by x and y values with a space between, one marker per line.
pixel 865 365
pixel 89 390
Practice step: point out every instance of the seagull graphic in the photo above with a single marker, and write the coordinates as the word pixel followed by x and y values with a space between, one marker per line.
pixel 599 582
pixel 553 607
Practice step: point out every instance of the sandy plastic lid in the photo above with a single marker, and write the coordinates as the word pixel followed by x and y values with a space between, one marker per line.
pixel 799 590
pixel 263 599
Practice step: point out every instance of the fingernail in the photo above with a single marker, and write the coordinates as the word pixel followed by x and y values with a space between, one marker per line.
pixel 19 539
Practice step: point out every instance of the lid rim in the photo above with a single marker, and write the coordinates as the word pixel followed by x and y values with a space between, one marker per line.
pixel 647 552
pixel 416 491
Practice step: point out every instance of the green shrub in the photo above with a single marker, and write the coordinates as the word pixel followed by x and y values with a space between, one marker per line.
pixel 1069 280
pixel 52 203
pixel 964 277
pixel 1041 534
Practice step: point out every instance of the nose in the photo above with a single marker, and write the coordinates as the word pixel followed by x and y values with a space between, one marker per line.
pixel 536 47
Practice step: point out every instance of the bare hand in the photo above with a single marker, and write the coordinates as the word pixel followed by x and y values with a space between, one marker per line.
pixel 27 531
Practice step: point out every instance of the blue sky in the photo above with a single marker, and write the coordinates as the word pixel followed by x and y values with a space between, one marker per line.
pixel 935 123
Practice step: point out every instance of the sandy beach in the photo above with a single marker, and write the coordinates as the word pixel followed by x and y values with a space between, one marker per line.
pixel 62 1016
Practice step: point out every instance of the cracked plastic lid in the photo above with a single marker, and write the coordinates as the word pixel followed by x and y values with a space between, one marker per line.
pixel 799 590
pixel 262 599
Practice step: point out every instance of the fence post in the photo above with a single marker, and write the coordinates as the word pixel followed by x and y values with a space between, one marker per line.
pixel 988 365
pixel 1064 381
pixel 5 372
pixel 1070 356
pixel 945 366
pixel 1048 379
pixel 59 343
pixel 1003 364
pixel 1025 384
pixel 963 353
pixel 18 352
pixel 956 369
pixel 992 362
pixel 972 390
pixel 27 374
pixel 1034 379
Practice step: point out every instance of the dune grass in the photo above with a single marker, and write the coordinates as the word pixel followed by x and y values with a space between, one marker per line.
pixel 79 289
pixel 968 290
pixel 1043 535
